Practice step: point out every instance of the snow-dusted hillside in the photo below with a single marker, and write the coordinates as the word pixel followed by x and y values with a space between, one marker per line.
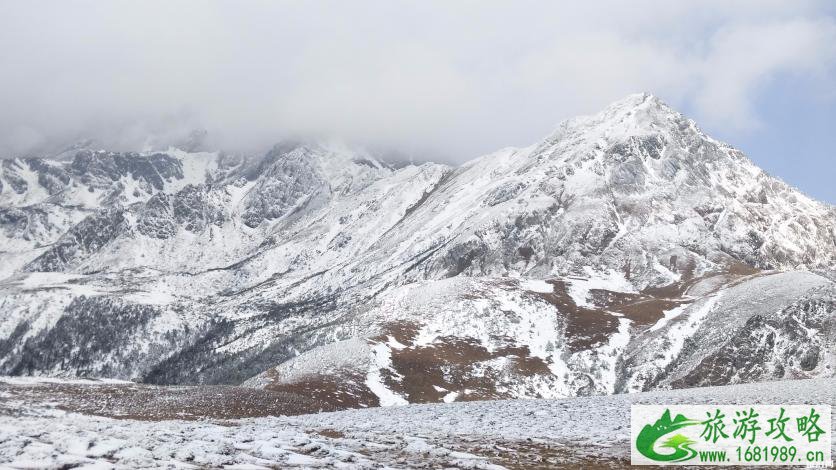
pixel 625 251
pixel 469 339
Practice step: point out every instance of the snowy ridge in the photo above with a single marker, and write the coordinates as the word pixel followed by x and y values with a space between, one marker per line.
pixel 544 271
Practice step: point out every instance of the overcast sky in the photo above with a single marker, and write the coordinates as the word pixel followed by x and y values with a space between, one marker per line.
pixel 448 79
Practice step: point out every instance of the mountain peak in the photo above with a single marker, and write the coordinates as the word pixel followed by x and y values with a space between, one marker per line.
pixel 639 107
pixel 635 99
pixel 637 114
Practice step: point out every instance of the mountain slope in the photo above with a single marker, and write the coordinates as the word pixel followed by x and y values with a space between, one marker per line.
pixel 599 260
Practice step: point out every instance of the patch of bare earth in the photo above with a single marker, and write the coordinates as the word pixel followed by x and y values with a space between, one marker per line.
pixel 540 455
pixel 585 327
pixel 591 326
pixel 342 389
pixel 155 403
pixel 426 373
pixel 536 454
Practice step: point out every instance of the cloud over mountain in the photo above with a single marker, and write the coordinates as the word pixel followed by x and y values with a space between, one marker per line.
pixel 454 80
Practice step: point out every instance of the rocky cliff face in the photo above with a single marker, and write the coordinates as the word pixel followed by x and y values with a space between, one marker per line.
pixel 602 259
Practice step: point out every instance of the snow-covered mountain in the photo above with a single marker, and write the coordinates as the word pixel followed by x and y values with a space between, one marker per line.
pixel 626 251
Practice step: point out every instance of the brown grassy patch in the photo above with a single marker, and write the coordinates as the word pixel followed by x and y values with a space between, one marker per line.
pixel 155 403
pixel 448 364
pixel 454 364
pixel 331 433
pixel 403 331
pixel 341 390
pixel 585 327
pixel 739 268
pixel 531 455
pixel 643 308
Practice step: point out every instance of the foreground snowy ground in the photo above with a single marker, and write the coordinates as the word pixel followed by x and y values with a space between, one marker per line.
pixel 39 432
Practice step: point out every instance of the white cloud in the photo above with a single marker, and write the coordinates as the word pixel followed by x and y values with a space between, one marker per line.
pixel 456 78
pixel 745 57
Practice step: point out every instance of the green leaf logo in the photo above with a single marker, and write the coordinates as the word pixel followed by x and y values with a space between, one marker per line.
pixel 680 444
